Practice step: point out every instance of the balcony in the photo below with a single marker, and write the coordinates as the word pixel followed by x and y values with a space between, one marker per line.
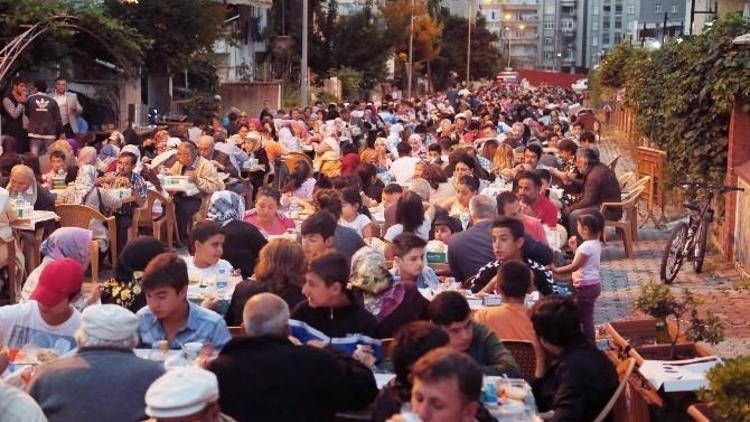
pixel 520 7
pixel 524 40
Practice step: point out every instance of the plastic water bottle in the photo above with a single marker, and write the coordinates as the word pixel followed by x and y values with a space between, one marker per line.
pixel 407 414
pixel 222 280
pixel 162 176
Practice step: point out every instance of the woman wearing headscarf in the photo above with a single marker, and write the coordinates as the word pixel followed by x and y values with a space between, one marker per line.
pixel 394 304
pixel 327 154
pixel 137 152
pixel 280 270
pixel 242 240
pixel 7 216
pixel 288 140
pixel 65 242
pixel 85 192
pixel 124 287
pixel 168 156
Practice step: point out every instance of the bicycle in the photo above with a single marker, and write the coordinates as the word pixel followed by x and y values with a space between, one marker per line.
pixel 688 240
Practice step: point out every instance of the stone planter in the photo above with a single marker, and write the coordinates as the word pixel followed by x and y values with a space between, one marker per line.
pixel 627 334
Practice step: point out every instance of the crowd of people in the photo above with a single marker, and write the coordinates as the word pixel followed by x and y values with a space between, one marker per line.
pixel 329 214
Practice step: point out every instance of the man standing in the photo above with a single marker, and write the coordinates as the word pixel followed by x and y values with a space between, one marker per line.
pixel 320 381
pixel 203 174
pixel 13 109
pixel 104 377
pixel 45 123
pixel 69 107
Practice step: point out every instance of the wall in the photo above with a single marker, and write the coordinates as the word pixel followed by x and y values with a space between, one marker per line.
pixel 249 96
pixel 738 165
pixel 539 77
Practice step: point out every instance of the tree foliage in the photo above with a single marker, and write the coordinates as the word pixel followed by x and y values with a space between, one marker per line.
pixel 682 95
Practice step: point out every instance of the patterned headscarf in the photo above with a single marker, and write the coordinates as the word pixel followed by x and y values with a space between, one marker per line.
pixel 225 206
pixel 87 155
pixel 82 186
pixel 68 242
pixel 370 276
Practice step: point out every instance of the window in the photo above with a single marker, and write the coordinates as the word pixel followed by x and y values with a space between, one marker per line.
pixel 548 55
pixel 548 41
pixel 595 25
pixel 618 37
pixel 674 8
pixel 606 9
pixel 631 10
pixel 595 10
pixel 594 41
pixel 605 24
pixel 605 38
pixel 618 9
pixel 657 9
pixel 618 23
pixel 549 25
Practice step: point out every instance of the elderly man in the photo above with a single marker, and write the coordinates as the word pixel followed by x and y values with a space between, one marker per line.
pixel 104 378
pixel 203 174
pixel 320 381
pixel 599 185
pixel 223 162
pixel 187 394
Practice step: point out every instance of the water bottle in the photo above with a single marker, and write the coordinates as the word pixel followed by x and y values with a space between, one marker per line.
pixel 222 280
pixel 162 176
pixel 407 414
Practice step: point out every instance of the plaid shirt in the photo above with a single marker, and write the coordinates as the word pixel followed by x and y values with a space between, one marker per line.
pixel 140 189
pixel 202 326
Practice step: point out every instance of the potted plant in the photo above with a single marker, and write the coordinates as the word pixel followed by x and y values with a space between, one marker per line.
pixel 727 396
pixel 657 300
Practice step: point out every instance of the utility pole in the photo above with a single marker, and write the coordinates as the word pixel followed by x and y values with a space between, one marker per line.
pixel 468 45
pixel 411 51
pixel 303 73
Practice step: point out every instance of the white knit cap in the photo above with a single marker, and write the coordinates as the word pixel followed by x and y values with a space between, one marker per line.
pixel 182 391
pixel 108 322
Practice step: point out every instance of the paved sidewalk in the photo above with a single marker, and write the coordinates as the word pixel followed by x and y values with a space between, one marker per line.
pixel 718 285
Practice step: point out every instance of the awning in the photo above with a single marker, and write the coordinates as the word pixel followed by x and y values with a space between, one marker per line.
pixel 264 4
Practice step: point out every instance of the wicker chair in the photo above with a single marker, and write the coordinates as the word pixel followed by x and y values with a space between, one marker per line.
pixel 523 353
pixel 629 225
pixel 166 219
pixel 81 216
pixel 616 405
pixel 10 264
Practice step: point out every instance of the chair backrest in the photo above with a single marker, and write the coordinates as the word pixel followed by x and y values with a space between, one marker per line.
pixel 523 353
pixel 643 181
pixel 632 196
pixel 613 163
pixel 626 179
pixel 151 197
pixel 624 370
pixel 236 331
pixel 78 215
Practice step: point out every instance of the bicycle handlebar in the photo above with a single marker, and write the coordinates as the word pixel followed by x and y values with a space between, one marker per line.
pixel 711 186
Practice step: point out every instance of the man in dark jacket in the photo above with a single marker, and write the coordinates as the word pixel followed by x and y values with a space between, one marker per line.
pixel 264 377
pixel 599 185
pixel 45 123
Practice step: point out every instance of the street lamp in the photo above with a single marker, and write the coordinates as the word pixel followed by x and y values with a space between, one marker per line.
pixel 303 75
pixel 507 34
pixel 411 47
pixel 468 46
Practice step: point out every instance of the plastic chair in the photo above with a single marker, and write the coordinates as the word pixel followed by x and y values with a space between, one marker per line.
pixel 81 216
pixel 626 179
pixel 166 219
pixel 523 353
pixel 613 164
pixel 94 250
pixel 628 226
pixel 624 370
pixel 10 264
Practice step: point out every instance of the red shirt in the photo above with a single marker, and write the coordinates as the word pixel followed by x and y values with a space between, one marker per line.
pixel 349 163
pixel 545 211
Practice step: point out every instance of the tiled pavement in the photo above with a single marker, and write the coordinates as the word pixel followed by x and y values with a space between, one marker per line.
pixel 719 285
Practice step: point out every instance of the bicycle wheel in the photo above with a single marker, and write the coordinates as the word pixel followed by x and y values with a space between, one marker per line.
pixel 700 247
pixel 674 253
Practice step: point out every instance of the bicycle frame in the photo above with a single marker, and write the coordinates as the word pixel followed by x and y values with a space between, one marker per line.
pixel 694 222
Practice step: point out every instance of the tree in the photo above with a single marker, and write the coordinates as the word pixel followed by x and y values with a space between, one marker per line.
pixel 485 57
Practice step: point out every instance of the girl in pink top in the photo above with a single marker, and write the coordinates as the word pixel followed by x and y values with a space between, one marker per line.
pixel 266 216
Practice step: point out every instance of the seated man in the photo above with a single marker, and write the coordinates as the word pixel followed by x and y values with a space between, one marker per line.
pixel 409 263
pixel 199 171
pixel 321 381
pixel 185 394
pixel 222 162
pixel 169 316
pixel 508 206
pixel 451 312
pixel 527 186
pixel 580 379
pixel 446 387
pixel 507 243
pixel 207 246
pixel 510 320
pixel 126 177
pixel 49 319
pixel 332 308
pixel 104 377
pixel 599 185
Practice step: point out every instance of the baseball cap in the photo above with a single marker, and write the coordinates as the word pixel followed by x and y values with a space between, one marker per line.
pixel 59 280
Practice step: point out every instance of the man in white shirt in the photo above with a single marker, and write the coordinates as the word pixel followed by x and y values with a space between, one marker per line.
pixel 402 168
pixel 69 107
pixel 48 320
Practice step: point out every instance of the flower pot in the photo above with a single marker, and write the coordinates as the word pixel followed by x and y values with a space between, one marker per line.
pixel 701 412
pixel 636 332
pixel 662 352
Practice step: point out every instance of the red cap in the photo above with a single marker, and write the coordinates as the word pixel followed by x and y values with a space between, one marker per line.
pixel 59 279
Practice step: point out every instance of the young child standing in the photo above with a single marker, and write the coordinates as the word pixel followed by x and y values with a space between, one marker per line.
pixel 351 215
pixel 585 268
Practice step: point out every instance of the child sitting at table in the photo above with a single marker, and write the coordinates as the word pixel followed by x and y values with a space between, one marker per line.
pixel 351 213
pixel 207 243
pixel 444 227
pixel 585 268
pixel 57 162
pixel 330 307
pixel 318 232
pixel 409 261
pixel 169 316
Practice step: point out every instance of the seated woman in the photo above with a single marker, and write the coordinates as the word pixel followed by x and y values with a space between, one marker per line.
pixel 372 186
pixel 85 192
pixel 392 303
pixel 266 216
pixel 503 161
pixel 301 182
pixel 242 240
pixel 411 216
pixel 280 270
pixel 124 287
pixel 578 379
pixel 207 246
pixel 65 242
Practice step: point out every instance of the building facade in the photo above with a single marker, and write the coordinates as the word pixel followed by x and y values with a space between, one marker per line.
pixel 238 61
pixel 516 23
